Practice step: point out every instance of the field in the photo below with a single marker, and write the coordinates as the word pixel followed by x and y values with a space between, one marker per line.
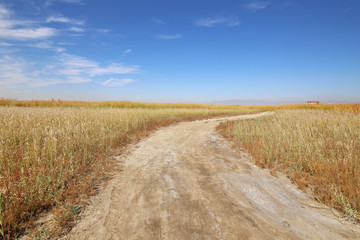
pixel 53 154
pixel 319 150
pixel 52 157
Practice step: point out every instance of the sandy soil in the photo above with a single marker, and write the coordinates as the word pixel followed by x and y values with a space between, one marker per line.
pixel 186 182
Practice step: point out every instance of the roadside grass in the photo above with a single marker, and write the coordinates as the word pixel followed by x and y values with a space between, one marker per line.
pixel 126 104
pixel 116 104
pixel 52 158
pixel 355 108
pixel 55 153
pixel 319 150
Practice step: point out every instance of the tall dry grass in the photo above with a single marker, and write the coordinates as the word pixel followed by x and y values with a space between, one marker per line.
pixel 53 156
pixel 355 108
pixel 126 104
pixel 115 104
pixel 318 149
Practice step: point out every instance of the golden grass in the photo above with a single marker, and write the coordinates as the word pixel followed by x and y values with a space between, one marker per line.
pixel 53 157
pixel 317 149
pixel 355 108
pixel 114 104
pixel 126 104
pixel 53 153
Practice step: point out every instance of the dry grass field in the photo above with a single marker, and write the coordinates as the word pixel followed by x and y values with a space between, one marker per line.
pixel 319 150
pixel 117 104
pixel 52 157
pixel 55 153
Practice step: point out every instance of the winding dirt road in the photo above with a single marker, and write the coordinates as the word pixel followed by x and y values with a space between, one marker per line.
pixel 186 182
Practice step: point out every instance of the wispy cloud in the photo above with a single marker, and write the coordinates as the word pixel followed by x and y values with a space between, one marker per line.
pixel 76 29
pixel 46 45
pixel 158 21
pixel 58 19
pixel 115 82
pixel 50 2
pixel 219 21
pixel 27 33
pixel 12 72
pixel 72 1
pixel 72 65
pixel 11 28
pixel 58 67
pixel 169 36
pixel 5 44
pixel 4 11
pixel 62 19
pixel 127 51
pixel 256 5
pixel 17 72
pixel 115 68
pixel 104 30
pixel 73 61
pixel 8 50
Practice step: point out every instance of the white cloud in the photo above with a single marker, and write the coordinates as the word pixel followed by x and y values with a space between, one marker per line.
pixel 50 2
pixel 220 21
pixel 76 61
pixel 169 36
pixel 158 21
pixel 60 49
pixel 11 28
pixel 63 43
pixel 26 72
pixel 256 6
pixel 127 51
pixel 8 50
pixel 27 33
pixel 12 71
pixel 77 79
pixel 62 19
pixel 114 68
pixel 115 82
pixel 58 19
pixel 71 65
pixel 44 44
pixel 76 29
pixel 72 1
pixel 65 69
pixel 4 11
pixel 47 44
pixel 5 44
pixel 104 30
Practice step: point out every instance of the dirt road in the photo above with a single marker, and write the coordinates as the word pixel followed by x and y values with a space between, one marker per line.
pixel 186 182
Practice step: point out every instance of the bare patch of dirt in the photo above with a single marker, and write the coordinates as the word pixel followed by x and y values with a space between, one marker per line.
pixel 186 182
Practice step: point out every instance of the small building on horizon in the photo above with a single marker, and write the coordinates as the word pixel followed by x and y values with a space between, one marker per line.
pixel 313 102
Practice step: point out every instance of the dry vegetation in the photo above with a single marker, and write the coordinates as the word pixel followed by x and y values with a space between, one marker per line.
pixel 126 104
pixel 55 153
pixel 50 158
pixel 355 108
pixel 119 104
pixel 319 150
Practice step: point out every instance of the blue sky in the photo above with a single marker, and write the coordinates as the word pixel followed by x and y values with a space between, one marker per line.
pixel 181 51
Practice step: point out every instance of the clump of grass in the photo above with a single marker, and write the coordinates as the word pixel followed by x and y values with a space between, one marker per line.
pixel 53 157
pixel 318 149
